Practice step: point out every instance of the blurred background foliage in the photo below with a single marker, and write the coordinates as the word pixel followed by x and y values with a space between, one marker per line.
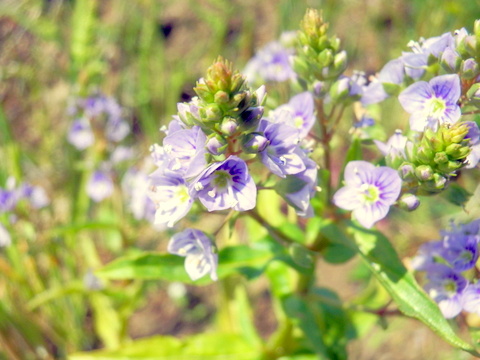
pixel 148 55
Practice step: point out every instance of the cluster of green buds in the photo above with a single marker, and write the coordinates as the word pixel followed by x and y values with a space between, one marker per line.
pixel 225 106
pixel 319 57
pixel 435 158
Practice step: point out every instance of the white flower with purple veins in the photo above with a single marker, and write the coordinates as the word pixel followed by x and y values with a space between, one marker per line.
pixel 224 185
pixel 171 197
pixel 369 191
pixel 432 103
pixel 196 247
pixel 298 113
pixel 186 149
pixel 80 134
pixel 446 288
pixel 99 186
pixel 280 155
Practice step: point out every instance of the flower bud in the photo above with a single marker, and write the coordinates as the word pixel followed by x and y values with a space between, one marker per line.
pixel 221 97
pixel 407 171
pixel 216 144
pixel 229 126
pixel 451 60
pixel 211 113
pixel 469 69
pixel 254 143
pixel 345 88
pixel 408 202
pixel 340 62
pixel 251 117
pixel 424 172
pixel 440 158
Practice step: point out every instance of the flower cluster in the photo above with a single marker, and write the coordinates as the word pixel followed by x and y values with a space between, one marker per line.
pixel 11 196
pixel 209 148
pixel 448 264
pixel 99 124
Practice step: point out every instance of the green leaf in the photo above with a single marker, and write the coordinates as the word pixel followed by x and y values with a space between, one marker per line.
pixel 383 261
pixel 456 194
pixel 298 311
pixel 205 346
pixel 152 266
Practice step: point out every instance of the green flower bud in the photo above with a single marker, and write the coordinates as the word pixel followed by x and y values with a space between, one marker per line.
pixel 211 113
pixel 425 154
pixel 440 158
pixel 424 173
pixel 469 69
pixel 221 97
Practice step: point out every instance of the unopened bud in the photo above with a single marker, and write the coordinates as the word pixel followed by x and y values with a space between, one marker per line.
pixel 229 126
pixel 211 113
pixel 424 172
pixel 216 145
pixel 469 69
pixel 408 202
pixel 451 60
pixel 221 97
pixel 407 171
pixel 251 117
pixel 254 143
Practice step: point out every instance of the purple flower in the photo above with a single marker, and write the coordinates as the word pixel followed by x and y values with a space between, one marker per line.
pixel 225 185
pixel 392 73
pixel 186 149
pixel 369 191
pixel 171 197
pixel 432 103
pixel 270 63
pixel 428 254
pixel 446 286
pixel 280 155
pixel 36 195
pixel 461 251
pixel 196 247
pixel 116 129
pixel 298 113
pixel 80 134
pixel 99 186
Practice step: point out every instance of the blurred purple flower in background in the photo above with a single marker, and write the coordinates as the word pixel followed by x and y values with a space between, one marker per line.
pixel 99 186
pixel 196 247
pixel 369 191
pixel 80 134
